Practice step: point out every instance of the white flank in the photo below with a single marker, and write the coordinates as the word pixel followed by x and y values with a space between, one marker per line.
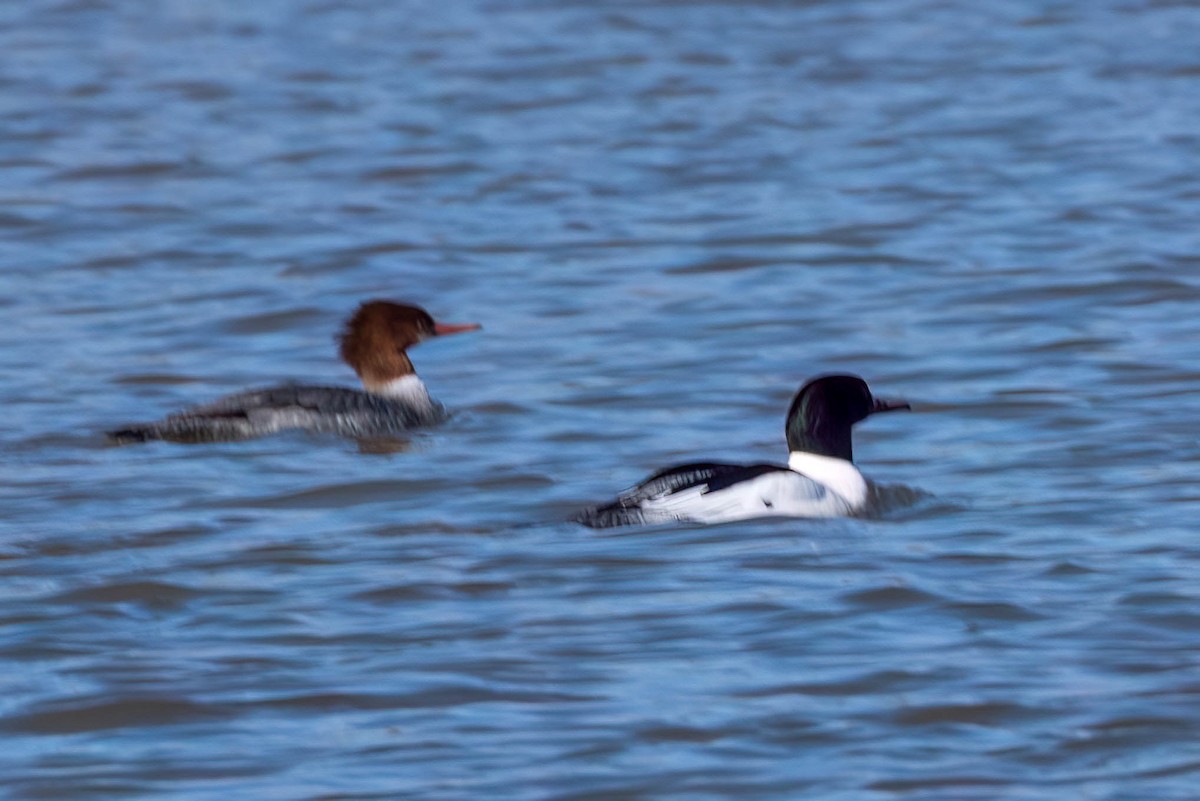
pixel 780 493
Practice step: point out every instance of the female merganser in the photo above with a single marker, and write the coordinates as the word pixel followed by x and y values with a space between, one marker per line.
pixel 373 344
pixel 819 480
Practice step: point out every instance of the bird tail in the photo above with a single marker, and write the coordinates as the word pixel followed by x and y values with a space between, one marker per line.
pixel 133 434
pixel 609 516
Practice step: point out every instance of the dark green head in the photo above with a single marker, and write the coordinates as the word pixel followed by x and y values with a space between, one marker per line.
pixel 824 411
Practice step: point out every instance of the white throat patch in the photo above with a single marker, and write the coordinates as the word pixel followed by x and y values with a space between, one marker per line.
pixel 408 388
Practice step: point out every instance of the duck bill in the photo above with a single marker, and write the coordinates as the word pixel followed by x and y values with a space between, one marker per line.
pixel 884 405
pixel 443 329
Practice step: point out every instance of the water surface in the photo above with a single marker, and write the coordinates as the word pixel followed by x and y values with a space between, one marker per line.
pixel 666 215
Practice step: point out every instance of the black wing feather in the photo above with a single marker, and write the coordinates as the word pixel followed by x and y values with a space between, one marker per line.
pixel 711 476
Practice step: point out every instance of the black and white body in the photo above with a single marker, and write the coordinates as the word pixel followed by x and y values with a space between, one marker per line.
pixel 374 343
pixel 819 480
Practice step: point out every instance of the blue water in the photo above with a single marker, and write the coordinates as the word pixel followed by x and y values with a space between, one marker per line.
pixel 667 216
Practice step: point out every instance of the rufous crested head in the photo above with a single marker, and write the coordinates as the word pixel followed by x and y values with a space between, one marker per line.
pixel 378 334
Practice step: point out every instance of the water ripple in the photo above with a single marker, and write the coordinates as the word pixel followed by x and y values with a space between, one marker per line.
pixel 666 215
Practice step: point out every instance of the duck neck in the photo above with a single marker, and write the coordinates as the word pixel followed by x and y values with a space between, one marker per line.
pixel 823 440
pixel 839 475
pixel 408 388
pixel 383 368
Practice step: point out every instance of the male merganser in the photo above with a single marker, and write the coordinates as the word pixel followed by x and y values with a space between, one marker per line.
pixel 819 480
pixel 373 344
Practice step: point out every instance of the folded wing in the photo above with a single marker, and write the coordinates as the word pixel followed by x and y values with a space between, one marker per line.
pixel 256 413
pixel 711 492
